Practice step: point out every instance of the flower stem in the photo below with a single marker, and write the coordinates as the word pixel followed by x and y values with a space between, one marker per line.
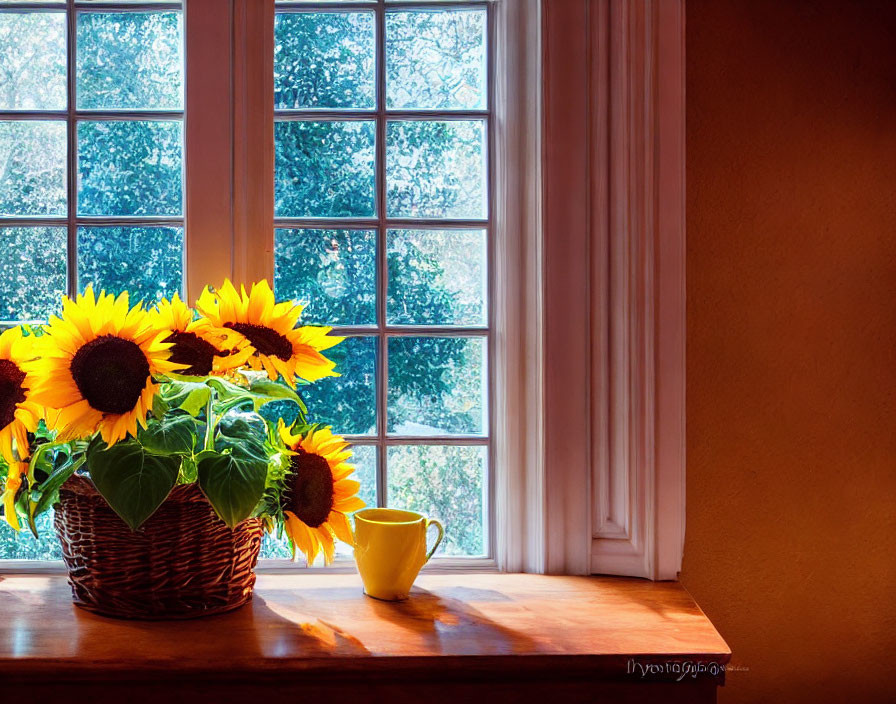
pixel 209 423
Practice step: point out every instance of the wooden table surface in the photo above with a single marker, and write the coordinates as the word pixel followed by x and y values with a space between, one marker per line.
pixel 308 627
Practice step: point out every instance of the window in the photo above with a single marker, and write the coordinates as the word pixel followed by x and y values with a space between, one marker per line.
pixel 382 201
pixel 552 373
pixel 382 137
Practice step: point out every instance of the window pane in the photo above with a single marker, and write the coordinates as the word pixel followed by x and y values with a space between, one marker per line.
pixel 324 60
pixel 24 546
pixel 437 385
pixel 147 262
pixel 32 61
pixel 130 60
pixel 332 271
pixel 129 168
pixel 275 548
pixel 32 168
pixel 347 402
pixel 364 459
pixel 324 169
pixel 443 482
pixel 437 277
pixel 436 169
pixel 436 60
pixel 32 271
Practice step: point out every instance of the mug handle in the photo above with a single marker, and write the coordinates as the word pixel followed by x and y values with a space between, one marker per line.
pixel 434 522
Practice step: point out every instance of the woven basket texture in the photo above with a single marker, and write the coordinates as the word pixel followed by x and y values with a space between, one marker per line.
pixel 183 562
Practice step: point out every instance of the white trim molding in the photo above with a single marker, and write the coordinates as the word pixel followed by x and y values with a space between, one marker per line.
pixel 614 286
pixel 518 433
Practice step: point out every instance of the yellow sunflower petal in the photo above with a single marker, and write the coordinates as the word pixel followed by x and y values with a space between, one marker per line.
pixel 269 367
pixel 298 534
pixel 346 487
pixel 349 505
pixel 338 521
pixel 13 483
pixel 314 543
pixel 326 542
pixel 342 471
pixel 6 445
pixel 261 301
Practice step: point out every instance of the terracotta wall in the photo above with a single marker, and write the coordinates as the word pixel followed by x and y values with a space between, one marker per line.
pixel 791 177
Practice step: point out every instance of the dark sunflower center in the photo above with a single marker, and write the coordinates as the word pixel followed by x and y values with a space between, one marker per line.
pixel 110 373
pixel 310 493
pixel 11 391
pixel 193 351
pixel 264 340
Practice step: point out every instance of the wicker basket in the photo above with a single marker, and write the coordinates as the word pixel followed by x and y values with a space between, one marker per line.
pixel 184 561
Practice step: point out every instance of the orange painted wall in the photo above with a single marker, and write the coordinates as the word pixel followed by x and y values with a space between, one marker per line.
pixel 791 410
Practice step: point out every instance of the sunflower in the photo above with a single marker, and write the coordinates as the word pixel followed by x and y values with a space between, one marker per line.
pixel 97 364
pixel 279 346
pixel 201 348
pixel 17 470
pixel 318 492
pixel 19 414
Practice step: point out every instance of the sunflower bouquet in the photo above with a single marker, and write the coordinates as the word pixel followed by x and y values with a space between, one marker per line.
pixel 141 401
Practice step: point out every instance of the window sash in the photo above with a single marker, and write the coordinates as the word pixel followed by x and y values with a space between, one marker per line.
pixel 382 223
pixel 73 117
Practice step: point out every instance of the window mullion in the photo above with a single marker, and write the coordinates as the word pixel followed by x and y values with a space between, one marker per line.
pixel 72 152
pixel 382 388
pixel 253 140
pixel 208 144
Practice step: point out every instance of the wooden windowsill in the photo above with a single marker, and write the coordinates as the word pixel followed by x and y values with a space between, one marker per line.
pixel 314 631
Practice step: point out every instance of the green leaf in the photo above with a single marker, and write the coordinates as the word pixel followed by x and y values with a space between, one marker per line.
pixel 272 390
pixel 188 472
pixel 233 480
pixel 190 396
pixel 243 425
pixel 159 406
pixel 227 390
pixel 45 494
pixel 133 482
pixel 173 435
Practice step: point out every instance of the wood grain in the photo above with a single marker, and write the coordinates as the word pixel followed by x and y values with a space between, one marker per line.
pixel 313 629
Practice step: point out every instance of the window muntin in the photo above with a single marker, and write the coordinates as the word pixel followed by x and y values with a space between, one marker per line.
pixel 382 223
pixel 91 164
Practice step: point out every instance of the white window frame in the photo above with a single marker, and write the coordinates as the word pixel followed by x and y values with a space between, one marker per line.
pixel 613 338
pixel 591 322
pixel 589 427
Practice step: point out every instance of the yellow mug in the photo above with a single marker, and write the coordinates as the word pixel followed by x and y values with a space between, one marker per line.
pixel 390 549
